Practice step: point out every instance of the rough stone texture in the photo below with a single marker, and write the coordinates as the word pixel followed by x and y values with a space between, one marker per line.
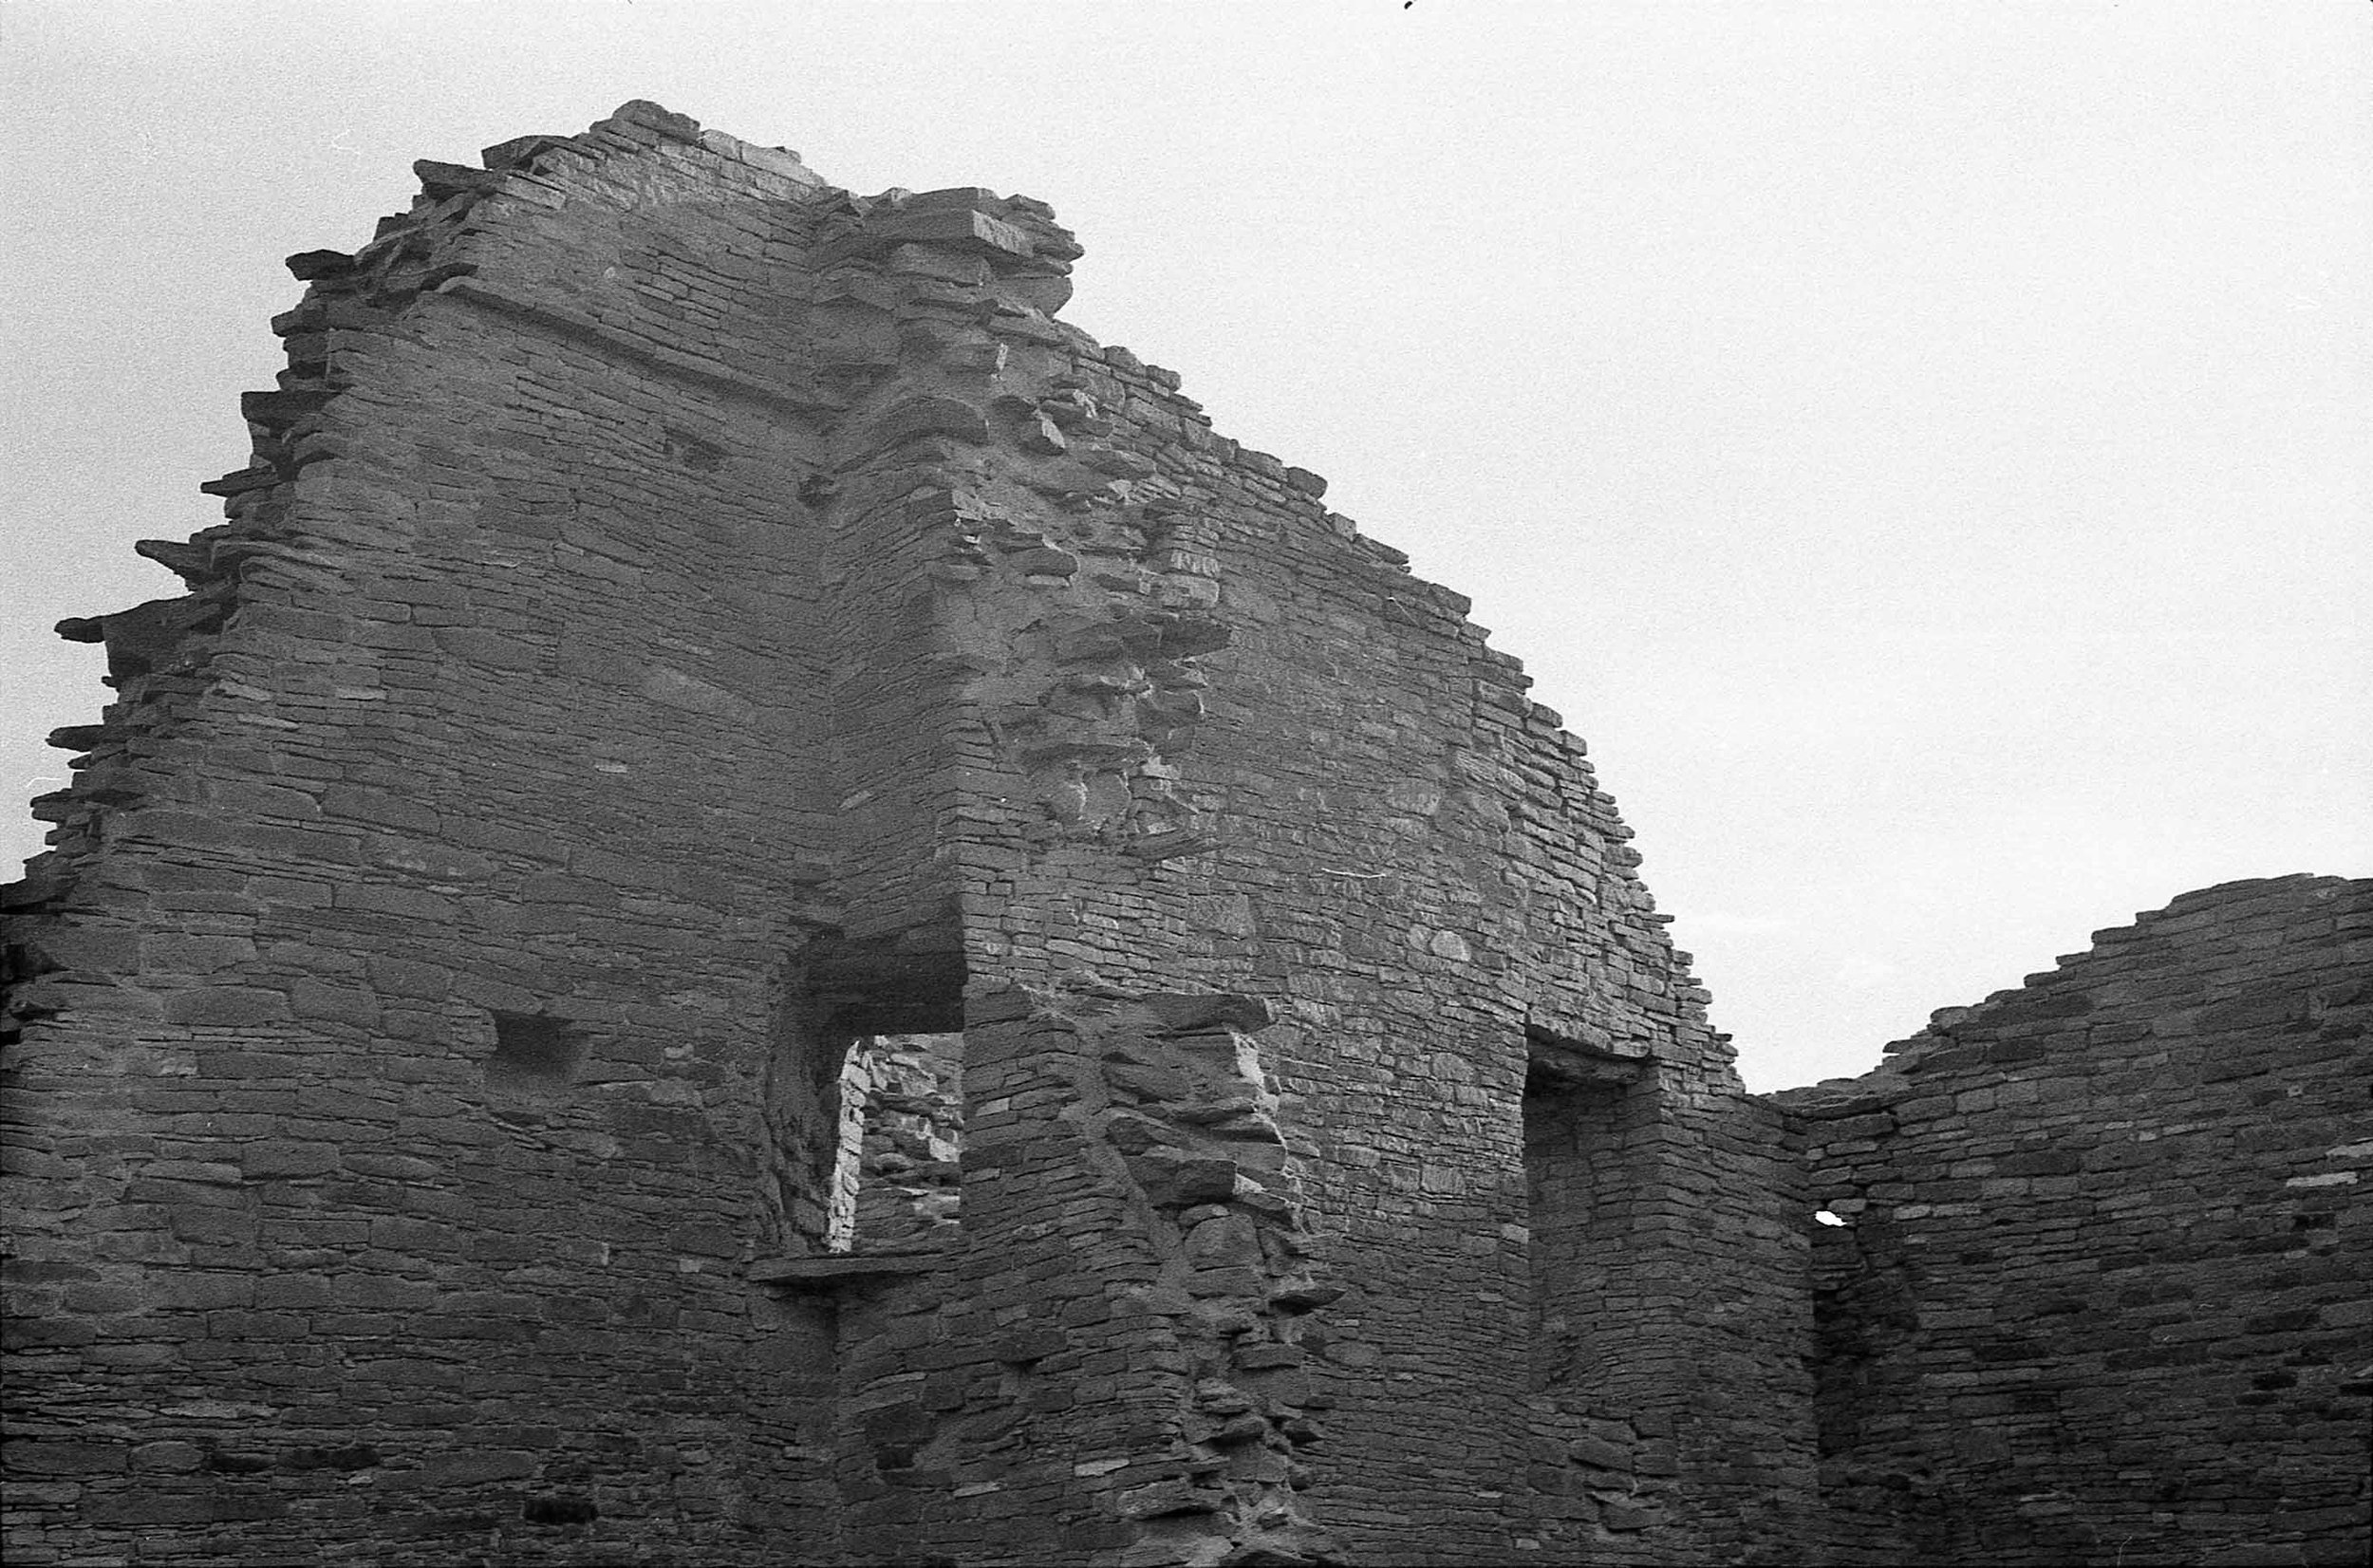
pixel 2102 1294
pixel 895 1179
pixel 763 907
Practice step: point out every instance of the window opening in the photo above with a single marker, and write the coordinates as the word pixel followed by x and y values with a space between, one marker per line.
pixel 863 1099
pixel 896 1172
pixel 535 1055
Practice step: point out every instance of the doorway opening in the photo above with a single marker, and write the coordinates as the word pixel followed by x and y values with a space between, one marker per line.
pixel 1583 1132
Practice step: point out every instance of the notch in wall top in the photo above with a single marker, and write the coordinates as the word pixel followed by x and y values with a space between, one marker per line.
pixel 519 152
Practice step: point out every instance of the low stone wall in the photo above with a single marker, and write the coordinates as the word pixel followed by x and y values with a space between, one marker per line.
pixel 2099 1295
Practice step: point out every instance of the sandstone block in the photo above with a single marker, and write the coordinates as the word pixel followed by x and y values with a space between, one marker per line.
pixel 226 1006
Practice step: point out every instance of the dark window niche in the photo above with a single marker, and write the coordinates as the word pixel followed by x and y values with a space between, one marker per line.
pixel 560 1510
pixel 1584 1175
pixel 535 1055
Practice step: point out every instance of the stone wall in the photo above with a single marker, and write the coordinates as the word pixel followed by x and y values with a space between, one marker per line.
pixel 682 622
pixel 385 1107
pixel 2101 1294
pixel 763 906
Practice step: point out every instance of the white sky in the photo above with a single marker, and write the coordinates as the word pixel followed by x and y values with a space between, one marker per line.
pixel 1923 448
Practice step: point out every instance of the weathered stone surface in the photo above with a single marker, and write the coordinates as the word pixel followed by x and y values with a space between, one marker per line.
pixel 762 907
pixel 2103 1288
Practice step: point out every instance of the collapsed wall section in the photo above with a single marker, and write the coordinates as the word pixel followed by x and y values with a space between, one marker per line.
pixel 2100 1293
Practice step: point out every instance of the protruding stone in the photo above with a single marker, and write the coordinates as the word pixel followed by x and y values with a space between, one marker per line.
pixel 954 227
pixel 308 266
pixel 930 415
pixel 439 181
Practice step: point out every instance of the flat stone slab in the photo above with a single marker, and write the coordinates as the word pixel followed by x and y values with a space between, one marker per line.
pixel 838 1268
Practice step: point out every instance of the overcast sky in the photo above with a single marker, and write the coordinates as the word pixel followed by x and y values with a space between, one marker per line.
pixel 1922 448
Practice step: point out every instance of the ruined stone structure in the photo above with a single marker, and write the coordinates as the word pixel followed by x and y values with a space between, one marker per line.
pixel 762 908
pixel 2103 1292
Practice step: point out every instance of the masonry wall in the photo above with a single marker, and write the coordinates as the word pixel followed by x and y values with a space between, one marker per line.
pixel 493 705
pixel 682 619
pixel 2100 1295
pixel 1415 864
pixel 762 907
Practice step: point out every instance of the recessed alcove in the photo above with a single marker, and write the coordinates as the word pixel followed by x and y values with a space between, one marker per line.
pixel 535 1055
pixel 1579 1184
pixel 865 1100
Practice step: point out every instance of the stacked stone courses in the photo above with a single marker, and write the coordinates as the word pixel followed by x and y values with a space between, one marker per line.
pixel 2102 1296
pixel 763 907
